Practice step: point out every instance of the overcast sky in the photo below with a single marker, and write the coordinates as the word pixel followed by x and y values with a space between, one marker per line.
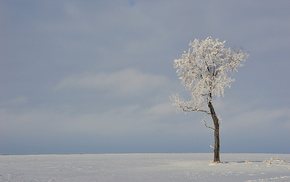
pixel 96 76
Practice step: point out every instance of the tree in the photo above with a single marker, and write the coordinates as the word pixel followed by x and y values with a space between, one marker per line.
pixel 203 70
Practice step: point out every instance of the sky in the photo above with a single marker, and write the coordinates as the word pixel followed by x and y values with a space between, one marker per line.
pixel 96 76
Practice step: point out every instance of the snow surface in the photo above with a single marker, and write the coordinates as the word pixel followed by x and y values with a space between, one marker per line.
pixel 144 167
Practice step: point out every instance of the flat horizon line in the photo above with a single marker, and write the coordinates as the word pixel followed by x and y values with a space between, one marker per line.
pixel 127 153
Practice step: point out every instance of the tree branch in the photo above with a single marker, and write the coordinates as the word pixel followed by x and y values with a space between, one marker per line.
pixel 207 125
pixel 189 109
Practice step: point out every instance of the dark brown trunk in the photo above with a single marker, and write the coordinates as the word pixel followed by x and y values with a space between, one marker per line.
pixel 216 133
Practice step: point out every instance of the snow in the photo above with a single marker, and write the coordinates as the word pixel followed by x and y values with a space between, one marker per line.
pixel 203 70
pixel 144 167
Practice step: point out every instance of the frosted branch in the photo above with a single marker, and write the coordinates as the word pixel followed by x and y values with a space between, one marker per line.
pixel 207 125
pixel 189 109
pixel 186 105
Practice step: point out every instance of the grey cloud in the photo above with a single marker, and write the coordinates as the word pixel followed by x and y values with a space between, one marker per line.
pixel 128 82
pixel 93 75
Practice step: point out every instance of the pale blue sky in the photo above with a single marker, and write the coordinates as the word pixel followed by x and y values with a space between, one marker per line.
pixel 96 76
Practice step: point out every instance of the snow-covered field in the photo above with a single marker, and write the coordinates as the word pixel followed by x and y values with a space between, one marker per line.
pixel 144 167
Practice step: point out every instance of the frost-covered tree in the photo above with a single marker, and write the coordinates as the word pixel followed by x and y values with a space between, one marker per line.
pixel 204 70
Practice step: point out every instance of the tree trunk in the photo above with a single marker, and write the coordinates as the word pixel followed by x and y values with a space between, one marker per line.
pixel 216 133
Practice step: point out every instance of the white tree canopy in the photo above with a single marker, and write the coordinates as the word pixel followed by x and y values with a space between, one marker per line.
pixel 203 70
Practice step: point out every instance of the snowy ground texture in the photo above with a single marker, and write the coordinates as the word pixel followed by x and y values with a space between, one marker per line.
pixel 144 167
